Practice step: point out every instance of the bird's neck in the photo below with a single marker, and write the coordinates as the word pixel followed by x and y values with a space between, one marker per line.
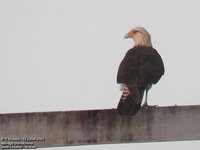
pixel 141 40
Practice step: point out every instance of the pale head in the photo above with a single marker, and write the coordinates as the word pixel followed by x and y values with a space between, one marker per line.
pixel 140 36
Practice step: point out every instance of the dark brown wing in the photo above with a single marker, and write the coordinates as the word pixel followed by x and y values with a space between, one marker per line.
pixel 141 66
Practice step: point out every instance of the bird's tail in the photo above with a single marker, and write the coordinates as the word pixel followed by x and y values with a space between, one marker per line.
pixel 130 104
pixel 127 106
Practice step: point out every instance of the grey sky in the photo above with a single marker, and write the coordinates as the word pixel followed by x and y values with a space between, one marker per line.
pixel 64 54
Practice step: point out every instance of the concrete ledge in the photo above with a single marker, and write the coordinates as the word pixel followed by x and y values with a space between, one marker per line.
pixel 47 129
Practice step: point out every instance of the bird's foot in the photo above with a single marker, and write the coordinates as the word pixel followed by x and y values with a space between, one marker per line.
pixel 145 105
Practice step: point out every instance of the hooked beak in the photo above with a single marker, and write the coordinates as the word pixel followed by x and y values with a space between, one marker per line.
pixel 126 36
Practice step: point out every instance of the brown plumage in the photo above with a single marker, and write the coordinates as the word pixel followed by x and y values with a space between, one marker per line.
pixel 141 67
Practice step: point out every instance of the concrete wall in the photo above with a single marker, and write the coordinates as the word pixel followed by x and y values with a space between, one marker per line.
pixel 47 129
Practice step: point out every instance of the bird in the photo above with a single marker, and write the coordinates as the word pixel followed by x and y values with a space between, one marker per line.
pixel 141 67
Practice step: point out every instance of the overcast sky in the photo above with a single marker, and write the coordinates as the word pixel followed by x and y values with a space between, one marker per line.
pixel 64 54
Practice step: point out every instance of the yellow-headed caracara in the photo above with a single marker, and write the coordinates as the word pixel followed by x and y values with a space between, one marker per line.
pixel 141 67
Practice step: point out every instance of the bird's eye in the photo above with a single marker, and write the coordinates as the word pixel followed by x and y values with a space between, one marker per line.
pixel 135 31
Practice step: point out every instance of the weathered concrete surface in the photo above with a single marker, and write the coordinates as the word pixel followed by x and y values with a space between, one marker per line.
pixel 46 129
